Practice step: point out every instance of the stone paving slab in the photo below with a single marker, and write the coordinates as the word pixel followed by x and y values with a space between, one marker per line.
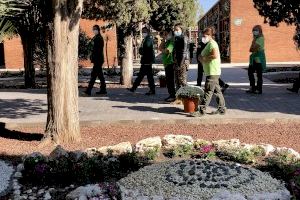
pixel 30 106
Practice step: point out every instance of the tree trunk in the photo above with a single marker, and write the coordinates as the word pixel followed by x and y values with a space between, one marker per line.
pixel 62 70
pixel 106 50
pixel 28 48
pixel 127 62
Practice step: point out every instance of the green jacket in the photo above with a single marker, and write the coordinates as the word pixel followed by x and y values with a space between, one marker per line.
pixel 260 55
pixel 168 58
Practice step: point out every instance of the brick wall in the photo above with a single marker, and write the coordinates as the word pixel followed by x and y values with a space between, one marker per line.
pixel 278 41
pixel 13 51
pixel 110 36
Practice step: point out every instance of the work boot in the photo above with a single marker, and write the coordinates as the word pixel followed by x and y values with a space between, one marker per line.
pixel 220 111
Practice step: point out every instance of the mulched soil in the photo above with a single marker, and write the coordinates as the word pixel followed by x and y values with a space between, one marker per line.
pixel 14 143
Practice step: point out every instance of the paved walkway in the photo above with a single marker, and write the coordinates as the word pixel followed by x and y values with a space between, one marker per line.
pixel 29 106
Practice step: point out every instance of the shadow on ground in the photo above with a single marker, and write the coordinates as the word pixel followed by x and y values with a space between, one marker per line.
pixel 21 108
pixel 17 135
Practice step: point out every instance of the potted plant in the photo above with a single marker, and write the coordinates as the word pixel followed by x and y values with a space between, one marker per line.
pixel 190 96
pixel 162 79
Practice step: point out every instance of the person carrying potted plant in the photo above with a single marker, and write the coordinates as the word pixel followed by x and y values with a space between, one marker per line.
pixel 211 60
pixel 167 47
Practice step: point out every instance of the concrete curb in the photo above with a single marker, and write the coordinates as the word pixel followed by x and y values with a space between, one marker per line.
pixel 194 121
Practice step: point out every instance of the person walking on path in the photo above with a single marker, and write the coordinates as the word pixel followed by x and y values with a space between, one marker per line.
pixel 167 47
pixel 211 60
pixel 147 59
pixel 97 58
pixel 257 60
pixel 200 48
pixel 296 86
pixel 181 56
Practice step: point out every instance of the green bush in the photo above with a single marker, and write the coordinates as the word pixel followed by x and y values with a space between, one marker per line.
pixel 152 154
pixel 180 151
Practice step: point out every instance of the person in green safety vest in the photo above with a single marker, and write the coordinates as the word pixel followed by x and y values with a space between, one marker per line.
pixel 167 47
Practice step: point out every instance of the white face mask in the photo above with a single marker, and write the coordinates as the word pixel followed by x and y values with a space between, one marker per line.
pixel 95 32
pixel 255 33
pixel 178 33
pixel 205 40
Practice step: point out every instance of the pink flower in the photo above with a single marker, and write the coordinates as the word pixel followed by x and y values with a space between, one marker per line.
pixel 206 149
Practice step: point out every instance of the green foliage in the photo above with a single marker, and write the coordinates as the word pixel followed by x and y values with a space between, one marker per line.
pixel 244 156
pixel 180 151
pixel 7 29
pixel 125 14
pixel 12 7
pixel 278 11
pixel 69 169
pixel 258 151
pixel 152 153
pixel 284 161
pixel 85 46
pixel 167 13
pixel 241 155
pixel 190 92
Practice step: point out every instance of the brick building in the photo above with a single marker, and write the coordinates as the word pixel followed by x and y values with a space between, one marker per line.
pixel 11 51
pixel 234 20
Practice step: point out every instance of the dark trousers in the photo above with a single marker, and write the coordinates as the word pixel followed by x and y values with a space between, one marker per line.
pixel 212 87
pixel 146 70
pixel 200 74
pixel 296 84
pixel 256 67
pixel 200 77
pixel 170 78
pixel 97 72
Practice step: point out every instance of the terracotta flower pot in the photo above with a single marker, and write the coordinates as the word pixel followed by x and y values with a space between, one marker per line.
pixel 190 105
pixel 162 82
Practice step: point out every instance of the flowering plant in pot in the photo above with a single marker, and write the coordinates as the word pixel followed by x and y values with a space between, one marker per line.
pixel 190 95
pixel 162 79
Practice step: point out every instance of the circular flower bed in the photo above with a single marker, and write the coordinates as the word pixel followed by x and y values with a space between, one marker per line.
pixel 198 179
pixel 6 172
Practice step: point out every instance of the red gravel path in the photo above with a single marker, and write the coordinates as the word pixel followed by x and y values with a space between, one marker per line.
pixel 278 134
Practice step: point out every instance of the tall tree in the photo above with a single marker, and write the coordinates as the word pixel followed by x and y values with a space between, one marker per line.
pixel 126 14
pixel 278 11
pixel 167 13
pixel 62 61
pixel 31 29
pixel 25 16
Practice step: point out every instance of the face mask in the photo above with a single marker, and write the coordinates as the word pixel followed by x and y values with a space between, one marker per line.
pixel 95 32
pixel 145 35
pixel 178 33
pixel 255 33
pixel 205 40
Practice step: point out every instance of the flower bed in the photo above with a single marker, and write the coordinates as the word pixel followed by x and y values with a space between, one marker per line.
pixel 173 166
